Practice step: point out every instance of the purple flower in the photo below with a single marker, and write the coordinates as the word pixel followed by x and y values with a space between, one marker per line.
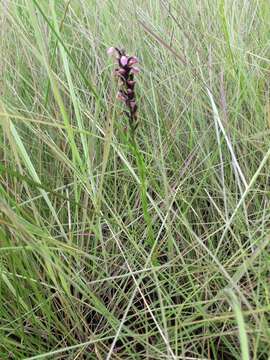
pixel 119 72
pixel 132 104
pixel 124 60
pixel 134 70
pixel 131 83
pixel 132 60
pixel 126 72
pixel 111 51
pixel 121 96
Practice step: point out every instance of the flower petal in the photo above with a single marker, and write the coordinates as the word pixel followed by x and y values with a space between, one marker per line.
pixel 131 83
pixel 124 60
pixel 119 72
pixel 121 96
pixel 111 51
pixel 135 70
pixel 133 106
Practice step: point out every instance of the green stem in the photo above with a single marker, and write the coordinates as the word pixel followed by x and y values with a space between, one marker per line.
pixel 143 188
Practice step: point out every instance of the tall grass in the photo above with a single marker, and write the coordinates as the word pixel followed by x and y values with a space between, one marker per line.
pixel 154 252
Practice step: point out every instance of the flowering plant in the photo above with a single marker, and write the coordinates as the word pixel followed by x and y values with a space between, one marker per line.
pixel 125 73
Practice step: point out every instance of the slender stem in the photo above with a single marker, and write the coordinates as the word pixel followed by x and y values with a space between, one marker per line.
pixel 143 187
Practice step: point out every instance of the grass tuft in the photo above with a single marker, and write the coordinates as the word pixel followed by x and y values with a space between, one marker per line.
pixel 151 244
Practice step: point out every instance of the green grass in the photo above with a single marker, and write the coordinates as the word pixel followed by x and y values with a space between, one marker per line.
pixel 111 250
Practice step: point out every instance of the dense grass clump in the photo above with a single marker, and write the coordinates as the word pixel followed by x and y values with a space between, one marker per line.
pixel 124 244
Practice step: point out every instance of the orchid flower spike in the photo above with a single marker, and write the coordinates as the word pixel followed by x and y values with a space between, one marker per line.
pixel 125 73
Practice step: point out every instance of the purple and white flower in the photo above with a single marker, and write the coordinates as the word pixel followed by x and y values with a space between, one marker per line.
pixel 126 72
